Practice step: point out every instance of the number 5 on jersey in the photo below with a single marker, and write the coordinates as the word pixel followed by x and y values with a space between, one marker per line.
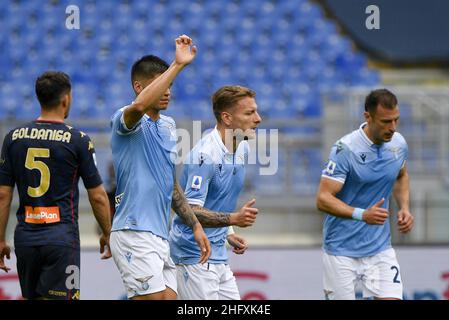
pixel 31 163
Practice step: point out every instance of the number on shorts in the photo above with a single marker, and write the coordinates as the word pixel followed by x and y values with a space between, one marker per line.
pixel 395 279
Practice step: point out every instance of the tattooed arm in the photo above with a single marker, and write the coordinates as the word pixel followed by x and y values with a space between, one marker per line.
pixel 182 208
pixel 245 217
pixel 185 212
pixel 191 214
pixel 211 219
pixel 200 170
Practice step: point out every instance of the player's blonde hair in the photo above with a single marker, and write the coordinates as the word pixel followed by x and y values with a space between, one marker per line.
pixel 227 96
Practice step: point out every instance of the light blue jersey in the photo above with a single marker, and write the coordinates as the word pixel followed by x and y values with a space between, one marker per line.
pixel 368 173
pixel 143 159
pixel 212 178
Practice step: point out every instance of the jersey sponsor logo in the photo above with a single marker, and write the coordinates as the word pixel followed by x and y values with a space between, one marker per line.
pixel 339 147
pixel 41 215
pixel 76 295
pixel 118 199
pixel 196 182
pixel 367 157
pixel 57 293
pixel 42 134
pixel 128 256
pixel 363 157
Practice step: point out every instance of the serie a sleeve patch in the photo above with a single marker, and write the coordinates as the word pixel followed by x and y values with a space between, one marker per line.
pixel 196 182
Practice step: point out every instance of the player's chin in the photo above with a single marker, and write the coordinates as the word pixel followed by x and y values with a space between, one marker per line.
pixel 163 106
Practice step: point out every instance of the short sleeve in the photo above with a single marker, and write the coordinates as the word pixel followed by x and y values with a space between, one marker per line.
pixel 6 172
pixel 405 158
pixel 87 162
pixel 400 148
pixel 337 166
pixel 118 123
pixel 197 176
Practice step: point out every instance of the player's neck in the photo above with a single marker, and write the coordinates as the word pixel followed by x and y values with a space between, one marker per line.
pixel 370 136
pixel 153 114
pixel 56 116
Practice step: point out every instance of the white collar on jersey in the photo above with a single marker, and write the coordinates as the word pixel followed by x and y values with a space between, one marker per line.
pixel 217 137
pixel 243 146
pixel 364 136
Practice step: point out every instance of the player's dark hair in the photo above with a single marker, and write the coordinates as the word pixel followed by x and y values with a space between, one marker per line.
pixel 147 67
pixel 226 97
pixel 382 97
pixel 50 87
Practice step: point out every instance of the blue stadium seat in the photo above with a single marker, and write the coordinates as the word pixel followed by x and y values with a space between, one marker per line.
pixel 269 184
pixel 278 43
pixel 200 110
pixel 307 173
pixel 287 51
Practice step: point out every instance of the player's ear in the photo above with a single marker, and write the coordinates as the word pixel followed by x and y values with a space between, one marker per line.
pixel 226 118
pixel 367 116
pixel 137 87
pixel 66 100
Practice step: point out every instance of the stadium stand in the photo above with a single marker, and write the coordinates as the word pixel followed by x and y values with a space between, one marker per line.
pixel 290 52
pixel 279 47
pixel 286 50
pixel 311 62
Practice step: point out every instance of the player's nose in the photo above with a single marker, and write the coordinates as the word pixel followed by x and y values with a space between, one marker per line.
pixel 393 127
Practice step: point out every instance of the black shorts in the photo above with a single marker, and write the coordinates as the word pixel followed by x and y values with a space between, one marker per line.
pixel 51 272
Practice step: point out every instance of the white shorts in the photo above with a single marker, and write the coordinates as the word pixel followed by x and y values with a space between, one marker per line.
pixel 144 262
pixel 379 275
pixel 206 282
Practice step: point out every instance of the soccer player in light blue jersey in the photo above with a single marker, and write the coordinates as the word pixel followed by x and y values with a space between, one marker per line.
pixel 213 176
pixel 364 169
pixel 143 147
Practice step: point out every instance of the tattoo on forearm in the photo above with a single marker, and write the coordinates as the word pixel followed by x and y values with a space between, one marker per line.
pixel 182 208
pixel 210 219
